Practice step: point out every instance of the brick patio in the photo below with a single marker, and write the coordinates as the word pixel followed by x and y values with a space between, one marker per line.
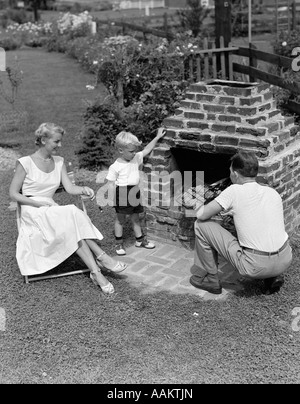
pixel 168 267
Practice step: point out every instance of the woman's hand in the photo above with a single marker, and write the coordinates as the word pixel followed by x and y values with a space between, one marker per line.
pixel 42 204
pixel 88 193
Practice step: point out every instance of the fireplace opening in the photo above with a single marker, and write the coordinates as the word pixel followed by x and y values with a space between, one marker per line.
pixel 215 178
pixel 214 166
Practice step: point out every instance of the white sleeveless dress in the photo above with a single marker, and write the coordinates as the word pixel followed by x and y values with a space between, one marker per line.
pixel 50 234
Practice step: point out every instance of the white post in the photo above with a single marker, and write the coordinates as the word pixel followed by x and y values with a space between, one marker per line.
pixel 2 319
pixel 93 27
pixel 2 60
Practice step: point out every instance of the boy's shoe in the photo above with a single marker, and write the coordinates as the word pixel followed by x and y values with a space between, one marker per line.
pixel 120 250
pixel 144 244
pixel 209 282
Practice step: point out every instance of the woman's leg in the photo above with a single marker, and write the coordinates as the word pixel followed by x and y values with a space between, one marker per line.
pixel 87 257
pixel 103 258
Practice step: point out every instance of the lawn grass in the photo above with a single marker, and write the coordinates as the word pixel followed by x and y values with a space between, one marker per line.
pixel 65 331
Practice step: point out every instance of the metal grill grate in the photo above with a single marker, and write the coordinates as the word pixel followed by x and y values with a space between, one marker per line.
pixel 199 194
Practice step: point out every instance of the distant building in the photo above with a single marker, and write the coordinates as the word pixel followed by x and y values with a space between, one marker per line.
pixel 141 4
pixel 176 3
pixel 183 3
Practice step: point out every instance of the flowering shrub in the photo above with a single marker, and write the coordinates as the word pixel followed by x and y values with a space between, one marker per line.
pixel 283 46
pixel 72 23
pixel 286 42
pixel 54 36
pixel 128 67
pixel 30 34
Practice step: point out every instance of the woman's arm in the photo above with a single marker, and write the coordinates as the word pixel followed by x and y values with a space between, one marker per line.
pixel 16 186
pixel 75 189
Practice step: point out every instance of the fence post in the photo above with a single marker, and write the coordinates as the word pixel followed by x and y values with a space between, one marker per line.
pixel 223 21
pixel 294 10
pixel 252 61
pixel 120 93
pixel 166 23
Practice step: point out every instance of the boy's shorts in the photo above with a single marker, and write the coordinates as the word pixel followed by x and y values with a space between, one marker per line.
pixel 128 200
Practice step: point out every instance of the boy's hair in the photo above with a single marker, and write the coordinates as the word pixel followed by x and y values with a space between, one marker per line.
pixel 245 163
pixel 125 139
pixel 46 129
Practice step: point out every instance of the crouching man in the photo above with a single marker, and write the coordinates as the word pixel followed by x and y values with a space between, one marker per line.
pixel 261 249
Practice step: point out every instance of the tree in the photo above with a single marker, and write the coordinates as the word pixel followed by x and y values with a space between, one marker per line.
pixel 36 6
pixel 192 17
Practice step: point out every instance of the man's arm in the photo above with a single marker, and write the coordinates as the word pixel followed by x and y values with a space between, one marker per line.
pixel 150 146
pixel 205 212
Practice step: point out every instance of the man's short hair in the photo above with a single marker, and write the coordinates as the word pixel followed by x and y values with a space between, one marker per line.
pixel 245 163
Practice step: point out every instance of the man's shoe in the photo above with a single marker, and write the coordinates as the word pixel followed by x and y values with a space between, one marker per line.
pixel 206 284
pixel 273 285
pixel 120 250
pixel 144 244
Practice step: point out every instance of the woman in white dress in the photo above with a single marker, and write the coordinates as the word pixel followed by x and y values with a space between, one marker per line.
pixel 50 233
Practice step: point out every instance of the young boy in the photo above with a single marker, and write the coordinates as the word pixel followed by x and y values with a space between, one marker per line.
pixel 123 179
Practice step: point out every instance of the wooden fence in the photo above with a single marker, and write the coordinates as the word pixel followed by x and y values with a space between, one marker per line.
pixel 162 25
pixel 203 65
pixel 144 29
pixel 282 63
pixel 211 62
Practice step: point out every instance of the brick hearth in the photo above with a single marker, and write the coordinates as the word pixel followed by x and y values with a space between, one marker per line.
pixel 215 120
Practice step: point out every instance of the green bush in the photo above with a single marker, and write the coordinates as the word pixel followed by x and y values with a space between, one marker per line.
pixel 20 16
pixel 102 122
pixel 283 46
pixel 10 43
pixel 191 18
pixel 286 42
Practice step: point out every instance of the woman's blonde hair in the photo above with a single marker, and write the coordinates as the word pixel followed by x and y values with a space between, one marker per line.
pixel 125 139
pixel 46 129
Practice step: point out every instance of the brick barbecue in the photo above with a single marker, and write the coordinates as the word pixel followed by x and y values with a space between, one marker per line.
pixel 215 120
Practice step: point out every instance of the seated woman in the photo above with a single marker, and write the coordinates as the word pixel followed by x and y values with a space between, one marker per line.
pixel 50 233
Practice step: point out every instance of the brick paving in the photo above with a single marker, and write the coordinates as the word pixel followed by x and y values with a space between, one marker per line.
pixel 168 267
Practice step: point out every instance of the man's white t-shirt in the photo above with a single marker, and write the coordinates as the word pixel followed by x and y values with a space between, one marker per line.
pixel 258 215
pixel 125 173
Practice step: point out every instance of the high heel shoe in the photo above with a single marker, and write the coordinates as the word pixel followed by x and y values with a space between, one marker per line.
pixel 107 289
pixel 119 267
